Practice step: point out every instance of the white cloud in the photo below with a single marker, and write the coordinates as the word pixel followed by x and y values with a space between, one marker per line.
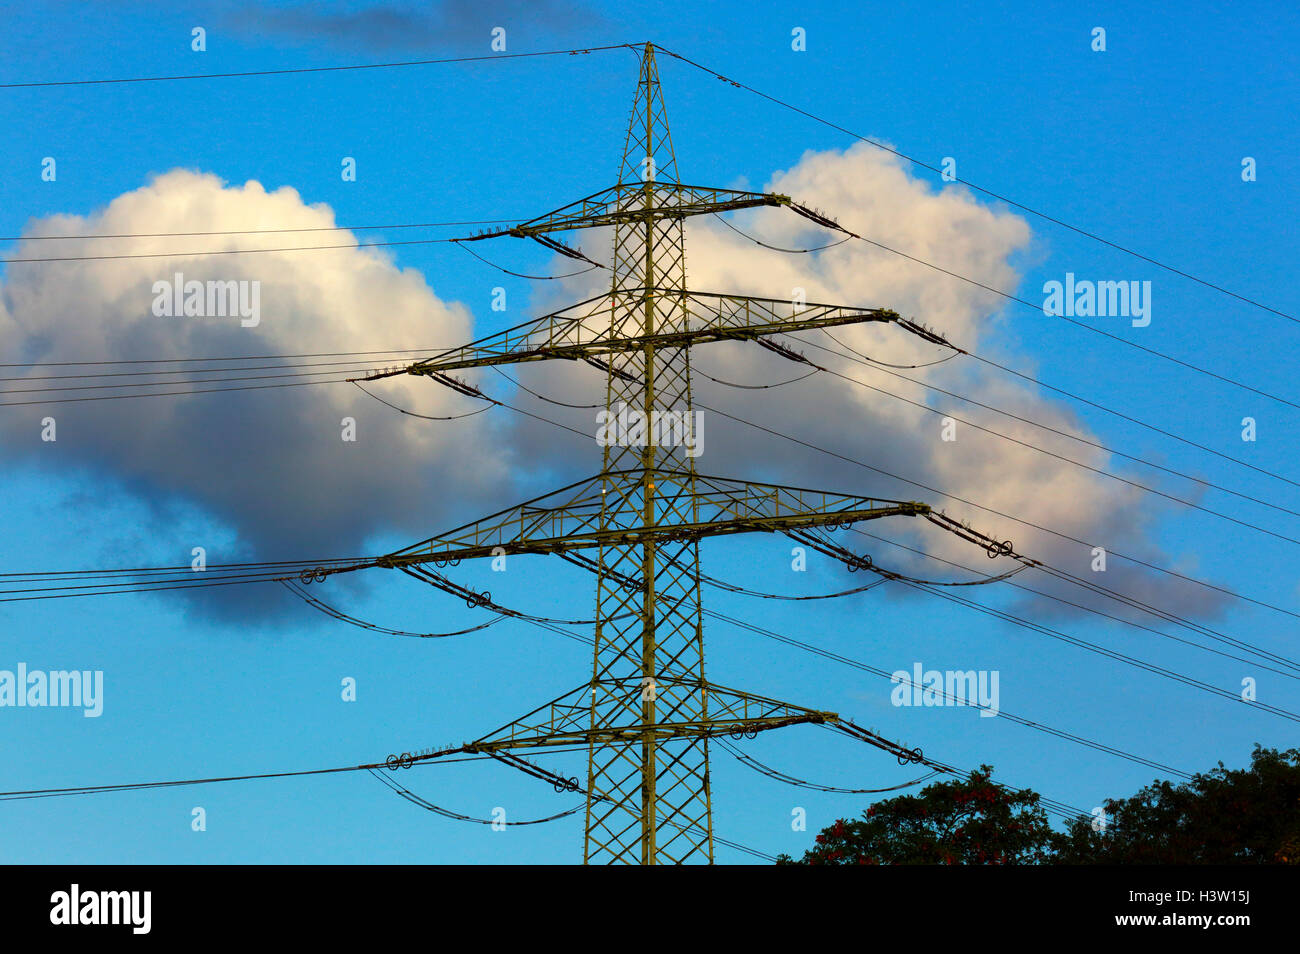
pixel 270 465
pixel 869 191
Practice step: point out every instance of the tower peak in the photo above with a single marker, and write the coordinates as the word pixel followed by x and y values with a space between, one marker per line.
pixel 648 152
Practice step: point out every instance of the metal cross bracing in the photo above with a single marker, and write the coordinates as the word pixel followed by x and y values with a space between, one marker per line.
pixel 586 330
pixel 647 713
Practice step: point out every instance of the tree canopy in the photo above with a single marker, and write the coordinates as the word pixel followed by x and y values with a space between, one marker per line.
pixel 1223 816
pixel 964 821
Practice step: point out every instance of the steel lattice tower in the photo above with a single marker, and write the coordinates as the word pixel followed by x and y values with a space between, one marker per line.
pixel 647 713
pixel 647 780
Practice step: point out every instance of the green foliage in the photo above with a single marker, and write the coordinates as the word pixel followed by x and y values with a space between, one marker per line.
pixel 1221 817
pixel 970 821
pixel 1243 816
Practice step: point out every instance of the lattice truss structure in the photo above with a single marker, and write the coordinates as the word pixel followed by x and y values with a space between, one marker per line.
pixel 647 714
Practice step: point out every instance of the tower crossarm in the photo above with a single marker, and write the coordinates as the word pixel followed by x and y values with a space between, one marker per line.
pixel 636 202
pixel 585 330
pixel 571 518
pixel 566 721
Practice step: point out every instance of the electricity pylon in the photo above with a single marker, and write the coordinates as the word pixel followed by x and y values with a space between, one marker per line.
pixel 648 712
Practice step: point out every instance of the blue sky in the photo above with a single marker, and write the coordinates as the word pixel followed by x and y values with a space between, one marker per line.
pixel 1141 144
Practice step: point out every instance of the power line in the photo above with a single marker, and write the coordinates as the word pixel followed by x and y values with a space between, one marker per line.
pixel 21 587
pixel 849 557
pixel 522 764
pixel 121 397
pixel 1010 297
pixel 151 384
pixel 1150 610
pixel 314 69
pixel 988 192
pixel 372 627
pixel 835 226
pixel 373 768
pixel 1044 384
pixel 541 278
pixel 686 632
pixel 708 70
pixel 757 387
pixel 977 357
pixel 240 251
pixel 1039 726
pixel 197 581
pixel 970 503
pixel 764 769
pixel 1132 420
pixel 545 53
pixel 630 46
pixel 926 487
pixel 328 610
pixel 220 251
pixel 860 463
pixel 534 621
pixel 1001 713
pixel 1062 457
pixel 425 417
pixel 1109 653
pixel 458 816
pixel 869 362
pixel 873 363
pixel 98 387
pixel 145 570
pixel 278 231
pixel 22 794
pixel 252 357
pixel 999 513
pixel 278 573
pixel 1079 324
pixel 1134 603
pixel 1018 719
pixel 103 375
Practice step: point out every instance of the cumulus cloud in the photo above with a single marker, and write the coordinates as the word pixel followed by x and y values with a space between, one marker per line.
pixel 268 464
pixel 872 193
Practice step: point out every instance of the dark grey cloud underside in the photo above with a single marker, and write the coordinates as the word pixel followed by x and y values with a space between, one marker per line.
pixel 393 27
